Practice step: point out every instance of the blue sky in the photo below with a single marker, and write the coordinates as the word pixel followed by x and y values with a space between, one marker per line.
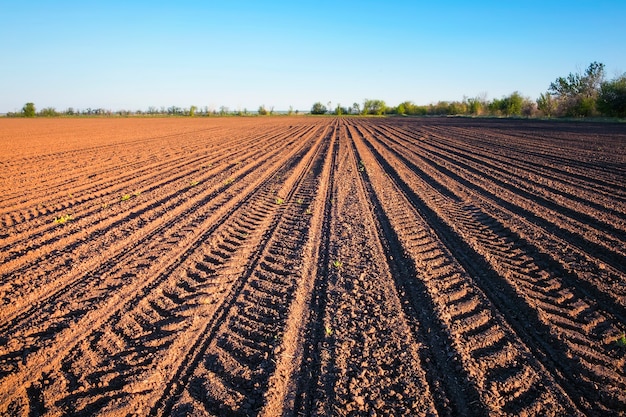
pixel 241 54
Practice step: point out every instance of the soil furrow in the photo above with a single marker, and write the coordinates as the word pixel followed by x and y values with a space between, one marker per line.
pixel 97 315
pixel 583 229
pixel 500 369
pixel 239 349
pixel 575 257
pixel 282 266
pixel 367 354
pixel 495 242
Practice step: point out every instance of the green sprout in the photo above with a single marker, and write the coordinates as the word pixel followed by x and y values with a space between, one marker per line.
pixel 328 330
pixel 63 219
pixel 621 341
pixel 279 200
pixel 194 183
pixel 337 264
pixel 126 197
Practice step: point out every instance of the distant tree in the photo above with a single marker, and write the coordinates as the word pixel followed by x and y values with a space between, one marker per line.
pixel 290 111
pixel 341 110
pixel 262 110
pixel 48 112
pixel 175 110
pixel 576 94
pixel 70 111
pixel 546 104
pixel 318 108
pixel 511 105
pixel 192 111
pixel 514 104
pixel 457 107
pixel 375 107
pixel 474 106
pixel 356 108
pixel 28 110
pixel 612 97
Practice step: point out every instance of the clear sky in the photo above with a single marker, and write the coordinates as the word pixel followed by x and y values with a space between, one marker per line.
pixel 241 54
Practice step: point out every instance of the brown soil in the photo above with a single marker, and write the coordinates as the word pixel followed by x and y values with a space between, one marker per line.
pixel 312 266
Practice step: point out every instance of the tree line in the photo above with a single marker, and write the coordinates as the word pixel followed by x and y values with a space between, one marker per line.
pixel 586 94
pixel 29 110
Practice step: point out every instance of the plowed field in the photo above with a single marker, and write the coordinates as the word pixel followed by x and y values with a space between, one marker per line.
pixel 312 266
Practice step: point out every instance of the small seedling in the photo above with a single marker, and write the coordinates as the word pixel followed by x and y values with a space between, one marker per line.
pixel 328 330
pixel 300 201
pixel 308 211
pixel 361 166
pixel 126 197
pixel 193 183
pixel 621 341
pixel 279 200
pixel 63 219
pixel 136 193
pixel 337 264
pixel 229 181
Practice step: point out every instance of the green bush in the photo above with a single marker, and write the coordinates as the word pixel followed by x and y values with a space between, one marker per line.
pixel 612 97
pixel 28 110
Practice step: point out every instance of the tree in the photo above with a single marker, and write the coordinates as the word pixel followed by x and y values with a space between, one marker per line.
pixel 318 108
pixel 356 108
pixel 192 111
pixel 375 107
pixel 404 108
pixel 512 105
pixel 48 112
pixel 474 106
pixel 28 110
pixel 577 93
pixel 262 110
pixel 612 97
pixel 546 104
pixel 341 110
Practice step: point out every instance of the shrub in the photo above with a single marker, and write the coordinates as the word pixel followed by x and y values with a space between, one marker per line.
pixel 28 110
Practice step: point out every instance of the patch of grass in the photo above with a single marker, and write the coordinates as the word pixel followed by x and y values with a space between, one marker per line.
pixel 63 219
